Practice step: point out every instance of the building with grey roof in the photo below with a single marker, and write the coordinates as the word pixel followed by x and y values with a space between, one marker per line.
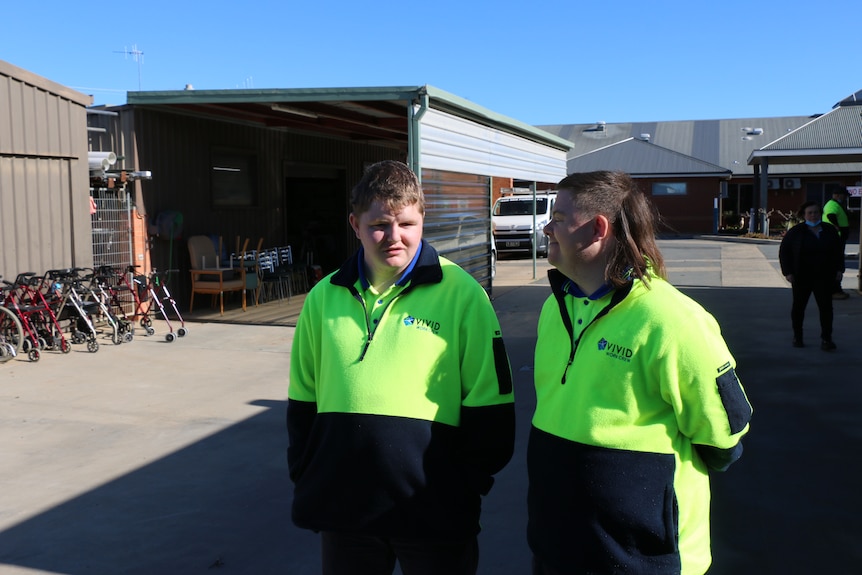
pixel 724 169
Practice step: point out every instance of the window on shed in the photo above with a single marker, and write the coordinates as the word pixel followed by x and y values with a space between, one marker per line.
pixel 669 189
pixel 233 178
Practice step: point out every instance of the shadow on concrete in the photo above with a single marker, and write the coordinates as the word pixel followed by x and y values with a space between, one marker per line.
pixel 222 505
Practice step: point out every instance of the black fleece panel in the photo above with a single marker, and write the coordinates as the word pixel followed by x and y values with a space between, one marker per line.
pixel 719 459
pixel 600 510
pixel 501 364
pixel 385 476
pixel 300 418
pixel 733 398
pixel 487 442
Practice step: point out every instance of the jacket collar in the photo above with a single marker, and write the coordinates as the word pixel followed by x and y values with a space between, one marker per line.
pixel 562 285
pixel 426 268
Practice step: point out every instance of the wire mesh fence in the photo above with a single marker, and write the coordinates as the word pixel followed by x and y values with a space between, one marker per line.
pixel 111 215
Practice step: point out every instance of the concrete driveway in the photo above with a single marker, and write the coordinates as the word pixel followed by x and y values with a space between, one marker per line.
pixel 168 458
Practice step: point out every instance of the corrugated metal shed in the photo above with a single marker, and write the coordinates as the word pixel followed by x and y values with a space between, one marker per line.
pixel 44 184
pixel 310 146
pixel 390 116
pixel 643 159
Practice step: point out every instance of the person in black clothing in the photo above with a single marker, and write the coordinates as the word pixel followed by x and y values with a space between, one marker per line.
pixel 812 260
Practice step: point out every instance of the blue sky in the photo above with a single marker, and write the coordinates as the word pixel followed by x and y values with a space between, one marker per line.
pixel 540 61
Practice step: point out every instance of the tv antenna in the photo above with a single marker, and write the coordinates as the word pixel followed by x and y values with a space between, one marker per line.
pixel 137 56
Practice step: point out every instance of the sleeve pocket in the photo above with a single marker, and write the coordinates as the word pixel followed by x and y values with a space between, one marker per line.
pixel 501 364
pixel 733 398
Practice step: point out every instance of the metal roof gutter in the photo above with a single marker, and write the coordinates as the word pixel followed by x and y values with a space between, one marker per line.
pixel 270 95
pixel 806 156
pixel 725 175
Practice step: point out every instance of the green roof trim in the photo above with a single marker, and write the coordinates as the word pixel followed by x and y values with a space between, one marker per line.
pixel 238 96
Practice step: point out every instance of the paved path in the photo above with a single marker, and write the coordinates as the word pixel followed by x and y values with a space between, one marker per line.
pixel 156 458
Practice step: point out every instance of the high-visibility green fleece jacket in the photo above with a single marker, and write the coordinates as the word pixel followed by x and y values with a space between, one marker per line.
pixel 636 398
pixel 400 406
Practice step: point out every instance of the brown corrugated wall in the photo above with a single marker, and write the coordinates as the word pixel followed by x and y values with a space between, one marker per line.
pixel 44 186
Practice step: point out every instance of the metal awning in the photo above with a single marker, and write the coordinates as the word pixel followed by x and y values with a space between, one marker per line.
pixel 376 114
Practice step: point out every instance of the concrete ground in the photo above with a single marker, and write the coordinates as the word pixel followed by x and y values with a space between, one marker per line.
pixel 168 458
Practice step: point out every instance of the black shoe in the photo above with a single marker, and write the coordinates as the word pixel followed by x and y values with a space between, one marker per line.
pixel 840 295
pixel 797 342
pixel 827 346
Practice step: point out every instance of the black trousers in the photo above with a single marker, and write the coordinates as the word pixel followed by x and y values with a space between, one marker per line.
pixel 802 290
pixel 350 554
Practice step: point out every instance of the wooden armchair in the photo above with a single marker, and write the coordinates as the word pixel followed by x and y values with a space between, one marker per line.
pixel 208 275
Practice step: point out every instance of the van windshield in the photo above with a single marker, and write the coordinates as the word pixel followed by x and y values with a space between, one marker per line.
pixel 520 207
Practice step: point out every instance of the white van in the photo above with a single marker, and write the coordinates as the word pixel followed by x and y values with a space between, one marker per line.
pixel 512 221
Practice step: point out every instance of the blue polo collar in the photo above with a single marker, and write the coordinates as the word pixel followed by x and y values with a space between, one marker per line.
pixel 405 275
pixel 572 289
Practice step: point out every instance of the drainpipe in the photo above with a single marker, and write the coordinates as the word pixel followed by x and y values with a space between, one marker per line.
pixel 415 111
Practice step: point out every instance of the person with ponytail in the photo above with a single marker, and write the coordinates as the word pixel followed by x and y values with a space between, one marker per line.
pixel 637 398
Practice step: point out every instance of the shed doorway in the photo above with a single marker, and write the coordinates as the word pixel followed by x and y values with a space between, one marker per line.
pixel 315 214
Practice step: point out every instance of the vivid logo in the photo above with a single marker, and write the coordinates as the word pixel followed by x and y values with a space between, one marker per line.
pixel 422 324
pixel 615 351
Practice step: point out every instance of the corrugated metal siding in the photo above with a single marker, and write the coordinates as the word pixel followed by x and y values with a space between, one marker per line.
pixel 458 220
pixel 840 128
pixel 36 233
pixel 44 206
pixel 456 144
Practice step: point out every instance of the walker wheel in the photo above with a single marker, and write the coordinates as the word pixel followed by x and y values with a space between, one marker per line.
pixel 7 351
pixel 65 346
pixel 169 337
pixel 128 337
pixel 92 346
pixel 182 332
pixel 150 331
pixel 33 354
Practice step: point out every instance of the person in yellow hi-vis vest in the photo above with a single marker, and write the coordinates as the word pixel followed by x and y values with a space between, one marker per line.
pixel 400 407
pixel 835 213
pixel 637 398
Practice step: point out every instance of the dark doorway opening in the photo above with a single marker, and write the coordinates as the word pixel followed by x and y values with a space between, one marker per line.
pixel 316 209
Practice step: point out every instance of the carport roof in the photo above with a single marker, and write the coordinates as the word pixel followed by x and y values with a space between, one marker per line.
pixel 370 113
